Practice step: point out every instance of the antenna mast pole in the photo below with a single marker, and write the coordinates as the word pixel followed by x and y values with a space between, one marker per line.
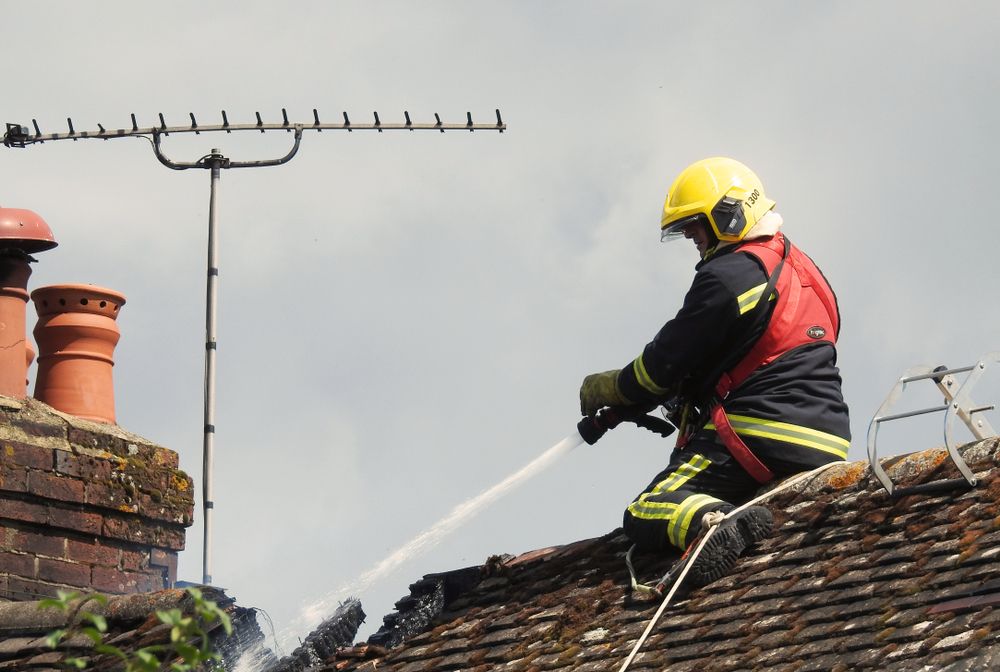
pixel 208 445
pixel 19 136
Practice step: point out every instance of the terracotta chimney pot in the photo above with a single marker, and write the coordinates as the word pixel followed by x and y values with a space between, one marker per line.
pixel 14 273
pixel 21 233
pixel 76 334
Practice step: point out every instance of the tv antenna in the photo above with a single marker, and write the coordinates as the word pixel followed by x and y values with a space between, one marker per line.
pixel 18 136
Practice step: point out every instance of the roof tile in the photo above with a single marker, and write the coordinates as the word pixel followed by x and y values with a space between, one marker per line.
pixel 727 629
pixel 725 614
pixel 416 666
pixel 819 631
pixel 808 585
pixel 775 657
pixel 502 636
pixel 676 636
pixel 548 614
pixel 460 661
pixel 943 561
pixel 415 652
pixel 451 645
pixel 497 653
pixel 598 666
pixel 19 645
pixel 766 590
pixel 822 663
pixel 904 651
pixel 987 618
pixel 686 651
pixel 875 605
pixel 770 623
pixel 853 578
pixel 775 638
pixel 775 605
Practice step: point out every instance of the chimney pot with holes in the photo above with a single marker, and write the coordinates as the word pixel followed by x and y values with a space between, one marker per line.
pixel 76 334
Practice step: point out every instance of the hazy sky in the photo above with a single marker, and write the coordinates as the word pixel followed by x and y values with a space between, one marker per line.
pixel 405 318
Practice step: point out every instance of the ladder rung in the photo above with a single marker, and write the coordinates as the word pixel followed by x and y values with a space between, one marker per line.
pixel 937 374
pixel 910 414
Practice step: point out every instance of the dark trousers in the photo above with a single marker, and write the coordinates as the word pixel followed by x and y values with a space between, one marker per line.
pixel 702 477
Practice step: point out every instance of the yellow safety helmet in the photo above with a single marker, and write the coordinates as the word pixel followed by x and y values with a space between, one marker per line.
pixel 721 192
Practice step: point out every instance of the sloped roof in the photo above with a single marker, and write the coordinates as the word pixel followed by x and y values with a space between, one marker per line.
pixel 132 624
pixel 851 579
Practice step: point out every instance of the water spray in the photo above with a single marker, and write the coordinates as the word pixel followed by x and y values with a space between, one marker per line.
pixel 589 430
pixel 314 613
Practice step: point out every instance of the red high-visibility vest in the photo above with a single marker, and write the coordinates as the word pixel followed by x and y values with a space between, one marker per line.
pixel 806 312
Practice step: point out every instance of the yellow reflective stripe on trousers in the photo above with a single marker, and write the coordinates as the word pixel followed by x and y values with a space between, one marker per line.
pixel 682 474
pixel 652 510
pixel 642 508
pixel 642 376
pixel 677 531
pixel 789 433
pixel 748 299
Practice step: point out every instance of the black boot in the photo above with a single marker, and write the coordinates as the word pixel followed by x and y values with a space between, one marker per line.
pixel 727 543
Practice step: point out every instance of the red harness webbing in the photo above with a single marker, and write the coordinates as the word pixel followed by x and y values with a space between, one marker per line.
pixel 739 450
pixel 804 299
pixel 798 289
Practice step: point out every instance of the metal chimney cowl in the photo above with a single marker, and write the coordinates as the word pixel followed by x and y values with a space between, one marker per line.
pixel 22 232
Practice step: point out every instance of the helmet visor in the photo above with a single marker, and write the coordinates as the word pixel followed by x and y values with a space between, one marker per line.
pixel 675 231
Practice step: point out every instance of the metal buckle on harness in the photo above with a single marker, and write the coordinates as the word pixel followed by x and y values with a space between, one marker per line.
pixel 957 404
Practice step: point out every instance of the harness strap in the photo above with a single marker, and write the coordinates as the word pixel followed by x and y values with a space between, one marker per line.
pixel 825 297
pixel 733 377
pixel 739 450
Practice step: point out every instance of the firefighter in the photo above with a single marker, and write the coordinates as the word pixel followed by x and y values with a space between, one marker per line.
pixel 749 363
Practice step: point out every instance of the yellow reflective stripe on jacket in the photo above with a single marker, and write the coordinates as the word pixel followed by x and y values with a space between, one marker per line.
pixel 748 299
pixel 789 433
pixel 677 531
pixel 642 376
pixel 681 475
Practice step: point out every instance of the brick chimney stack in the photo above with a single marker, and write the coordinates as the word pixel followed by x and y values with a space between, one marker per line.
pixel 85 506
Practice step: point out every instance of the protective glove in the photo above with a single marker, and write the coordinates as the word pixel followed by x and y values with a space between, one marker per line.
pixel 600 390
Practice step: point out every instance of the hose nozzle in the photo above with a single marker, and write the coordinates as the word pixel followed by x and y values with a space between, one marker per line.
pixel 593 427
